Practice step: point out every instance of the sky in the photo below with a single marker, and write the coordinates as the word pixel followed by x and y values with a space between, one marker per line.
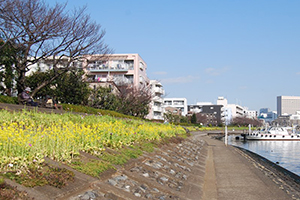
pixel 245 51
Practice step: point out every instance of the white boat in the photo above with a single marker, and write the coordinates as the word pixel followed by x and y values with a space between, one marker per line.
pixel 274 133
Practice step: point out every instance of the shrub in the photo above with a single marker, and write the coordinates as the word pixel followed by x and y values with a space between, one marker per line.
pixel 95 111
pixel 7 99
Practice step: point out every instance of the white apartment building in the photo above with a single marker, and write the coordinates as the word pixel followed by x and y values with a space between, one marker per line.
pixel 236 110
pixel 288 105
pixel 156 106
pixel 250 113
pixel 47 64
pixel 178 103
pixel 198 107
pixel 230 111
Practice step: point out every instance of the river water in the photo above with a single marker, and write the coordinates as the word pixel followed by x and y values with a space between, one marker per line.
pixel 285 153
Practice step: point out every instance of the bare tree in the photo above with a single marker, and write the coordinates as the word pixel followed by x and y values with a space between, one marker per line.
pixel 134 101
pixel 244 121
pixel 201 118
pixel 42 32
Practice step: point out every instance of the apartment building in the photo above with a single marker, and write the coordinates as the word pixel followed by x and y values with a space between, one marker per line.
pixel 156 106
pixel 178 103
pixel 197 108
pixel 222 112
pixel 117 68
pixel 215 111
pixel 47 64
pixel 235 110
pixel 288 105
pixel 250 113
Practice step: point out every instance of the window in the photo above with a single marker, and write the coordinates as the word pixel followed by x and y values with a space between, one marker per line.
pixel 141 66
pixel 129 64
pixel 157 104
pixel 168 102
pixel 129 78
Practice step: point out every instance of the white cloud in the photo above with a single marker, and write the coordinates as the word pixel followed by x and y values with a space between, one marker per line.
pixel 183 79
pixel 298 73
pixel 215 72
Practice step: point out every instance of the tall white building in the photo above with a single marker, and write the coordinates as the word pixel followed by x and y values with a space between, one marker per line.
pixel 288 105
pixel 230 111
pixel 178 103
pixel 156 106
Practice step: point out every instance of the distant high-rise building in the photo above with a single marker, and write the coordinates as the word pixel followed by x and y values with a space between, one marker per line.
pixel 288 105
pixel 267 115
pixel 264 110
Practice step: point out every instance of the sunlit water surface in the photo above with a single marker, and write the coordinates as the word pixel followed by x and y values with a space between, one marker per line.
pixel 286 153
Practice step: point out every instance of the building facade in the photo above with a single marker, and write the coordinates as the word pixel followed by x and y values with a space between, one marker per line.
pixel 288 105
pixel 156 111
pixel 197 108
pixel 214 113
pixel 250 113
pixel 118 68
pixel 113 70
pixel 230 111
pixel 267 115
pixel 179 103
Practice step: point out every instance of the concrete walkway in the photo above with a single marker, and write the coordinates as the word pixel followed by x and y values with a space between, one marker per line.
pixel 229 175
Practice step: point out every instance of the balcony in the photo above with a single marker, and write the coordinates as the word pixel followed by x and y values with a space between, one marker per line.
pixel 158 90
pixel 157 99
pixel 178 103
pixel 106 68
pixel 157 109
pixel 158 117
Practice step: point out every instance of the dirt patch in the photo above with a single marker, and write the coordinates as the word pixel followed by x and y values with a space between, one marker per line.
pixel 10 192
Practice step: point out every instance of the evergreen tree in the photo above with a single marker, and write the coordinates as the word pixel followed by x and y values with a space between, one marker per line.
pixel 70 88
pixel 194 119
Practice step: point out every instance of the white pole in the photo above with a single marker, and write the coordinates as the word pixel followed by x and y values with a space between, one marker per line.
pixel 249 128
pixel 226 136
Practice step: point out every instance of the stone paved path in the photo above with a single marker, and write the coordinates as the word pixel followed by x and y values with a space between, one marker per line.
pixel 237 178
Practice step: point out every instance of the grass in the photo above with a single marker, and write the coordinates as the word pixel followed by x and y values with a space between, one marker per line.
pixel 110 159
pixel 92 167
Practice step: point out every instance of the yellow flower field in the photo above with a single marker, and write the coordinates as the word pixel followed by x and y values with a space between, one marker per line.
pixel 27 137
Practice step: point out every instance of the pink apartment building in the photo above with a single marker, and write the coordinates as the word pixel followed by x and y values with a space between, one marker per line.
pixel 117 68
pixel 114 69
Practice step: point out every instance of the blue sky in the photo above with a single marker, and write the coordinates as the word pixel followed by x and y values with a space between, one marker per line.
pixel 246 51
